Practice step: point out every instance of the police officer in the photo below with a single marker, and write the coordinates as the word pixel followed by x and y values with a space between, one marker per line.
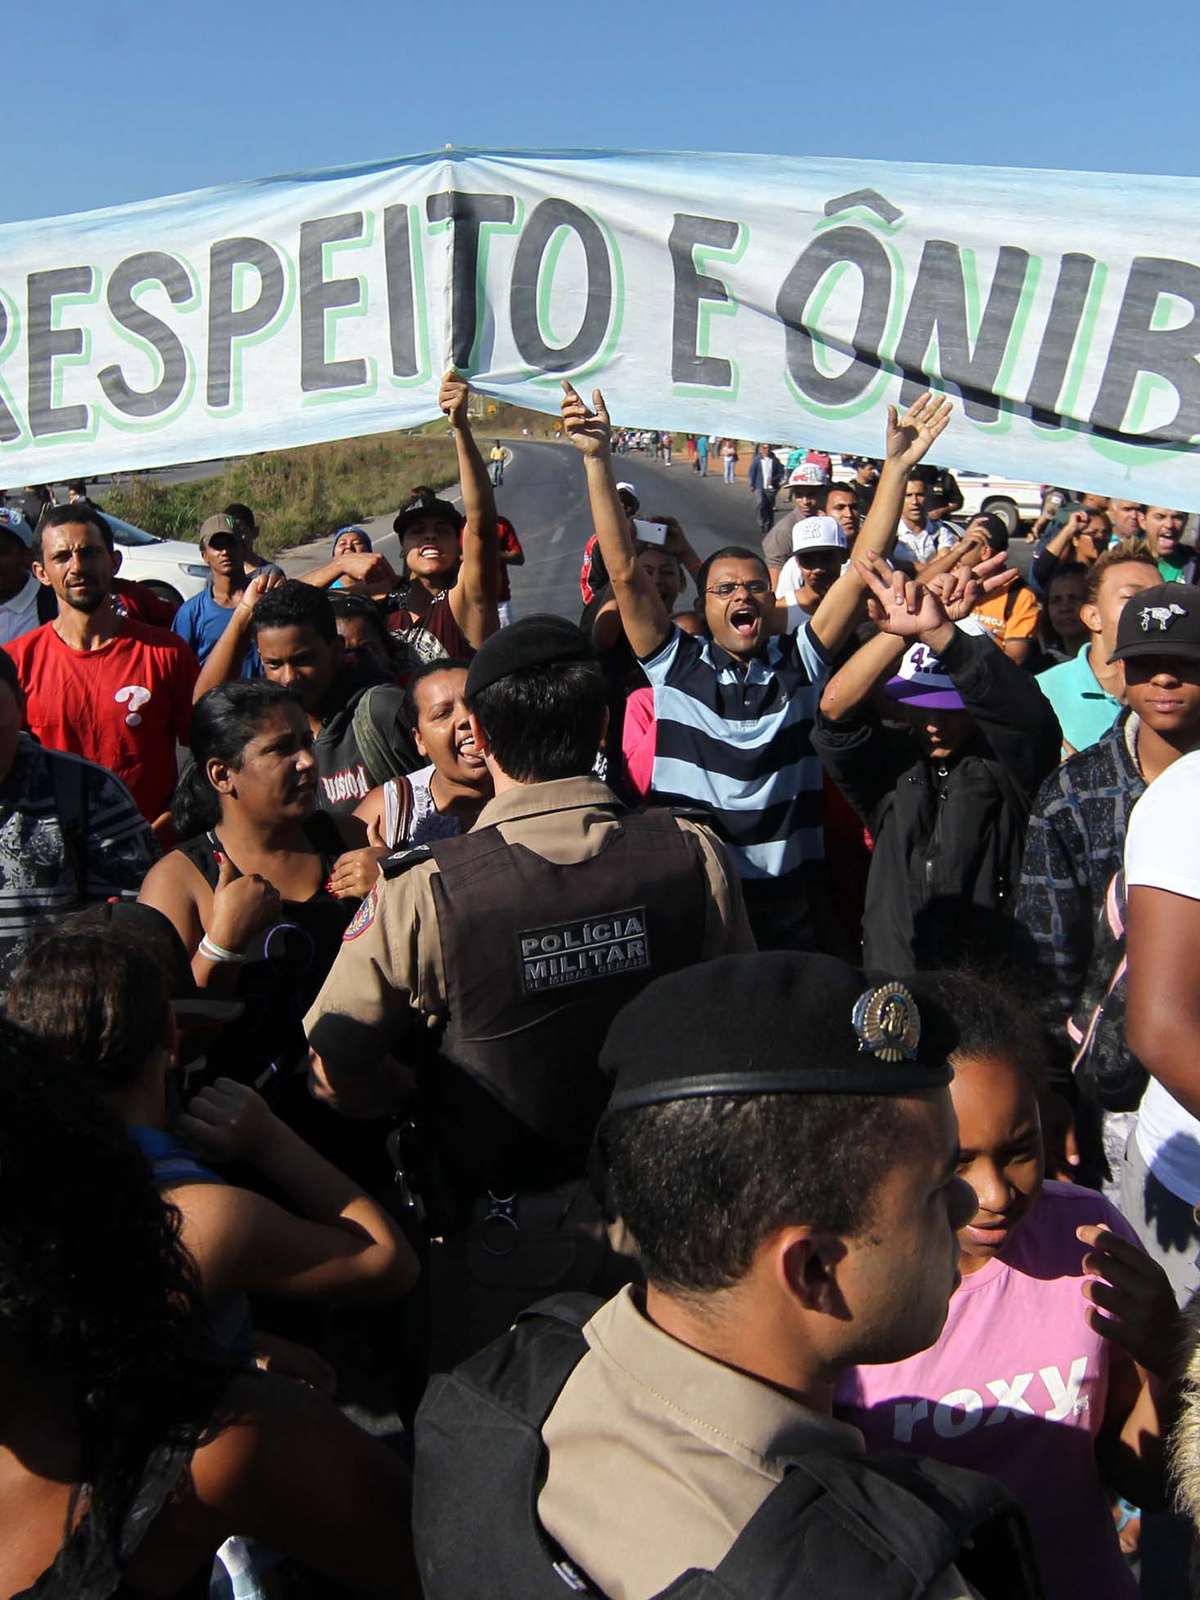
pixel 491 966
pixel 781 1143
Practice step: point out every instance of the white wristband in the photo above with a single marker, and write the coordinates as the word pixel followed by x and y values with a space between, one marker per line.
pixel 218 952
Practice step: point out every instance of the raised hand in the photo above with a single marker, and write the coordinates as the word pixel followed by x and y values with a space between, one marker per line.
pixel 961 589
pixel 589 431
pixel 910 437
pixel 898 604
pixel 262 583
pixel 453 397
pixel 241 907
pixel 1130 1301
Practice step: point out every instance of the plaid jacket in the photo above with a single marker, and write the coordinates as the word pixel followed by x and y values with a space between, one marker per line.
pixel 1074 846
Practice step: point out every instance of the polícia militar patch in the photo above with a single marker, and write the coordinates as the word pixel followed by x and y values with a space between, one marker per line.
pixel 604 946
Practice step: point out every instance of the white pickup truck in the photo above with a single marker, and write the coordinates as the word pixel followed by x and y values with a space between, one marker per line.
pixel 1011 499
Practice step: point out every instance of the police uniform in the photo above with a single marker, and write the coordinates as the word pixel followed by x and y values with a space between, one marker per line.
pixel 674 1453
pixel 494 963
pixel 590 1450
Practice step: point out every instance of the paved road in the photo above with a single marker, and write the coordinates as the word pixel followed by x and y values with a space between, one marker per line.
pixel 545 498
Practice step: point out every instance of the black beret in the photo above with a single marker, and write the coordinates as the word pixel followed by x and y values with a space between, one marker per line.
pixel 775 1023
pixel 536 641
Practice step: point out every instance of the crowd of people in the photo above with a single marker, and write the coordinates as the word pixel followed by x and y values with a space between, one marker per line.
pixel 700 1094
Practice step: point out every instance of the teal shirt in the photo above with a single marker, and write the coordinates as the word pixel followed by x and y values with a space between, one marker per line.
pixel 1084 710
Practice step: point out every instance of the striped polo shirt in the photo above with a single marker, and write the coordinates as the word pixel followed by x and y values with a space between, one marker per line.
pixel 734 740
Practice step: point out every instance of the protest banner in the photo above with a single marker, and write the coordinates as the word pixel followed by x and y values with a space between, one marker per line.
pixel 763 297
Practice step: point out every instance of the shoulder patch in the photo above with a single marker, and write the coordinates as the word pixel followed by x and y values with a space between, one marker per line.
pixel 365 915
pixel 401 860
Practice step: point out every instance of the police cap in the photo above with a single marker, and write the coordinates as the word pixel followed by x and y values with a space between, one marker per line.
pixel 775 1023
pixel 537 641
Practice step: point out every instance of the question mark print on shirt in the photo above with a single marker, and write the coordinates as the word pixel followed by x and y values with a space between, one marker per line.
pixel 137 696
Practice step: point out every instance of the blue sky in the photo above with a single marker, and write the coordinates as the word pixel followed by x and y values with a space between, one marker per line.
pixel 123 102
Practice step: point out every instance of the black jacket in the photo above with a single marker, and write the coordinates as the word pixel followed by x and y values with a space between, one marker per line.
pixel 948 837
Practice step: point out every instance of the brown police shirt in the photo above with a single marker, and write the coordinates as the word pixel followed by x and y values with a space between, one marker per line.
pixel 389 976
pixel 659 1456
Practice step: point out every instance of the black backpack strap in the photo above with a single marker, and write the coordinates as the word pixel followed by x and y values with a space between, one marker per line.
pixel 478 1443
pixel 883 1526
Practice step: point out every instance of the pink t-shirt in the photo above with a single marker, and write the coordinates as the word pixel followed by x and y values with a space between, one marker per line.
pixel 1016 1387
pixel 638 740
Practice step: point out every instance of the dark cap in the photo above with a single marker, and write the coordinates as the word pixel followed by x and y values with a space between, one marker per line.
pixel 427 506
pixel 1163 621
pixel 775 1023
pixel 537 641
pixel 220 523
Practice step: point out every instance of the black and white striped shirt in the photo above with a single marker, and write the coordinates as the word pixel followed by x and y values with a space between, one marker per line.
pixel 735 741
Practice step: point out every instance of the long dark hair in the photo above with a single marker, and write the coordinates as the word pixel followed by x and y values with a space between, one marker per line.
pixel 223 723
pixel 96 1290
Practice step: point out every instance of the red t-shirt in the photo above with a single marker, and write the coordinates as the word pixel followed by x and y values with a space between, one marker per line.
pixel 510 545
pixel 123 706
pixel 142 604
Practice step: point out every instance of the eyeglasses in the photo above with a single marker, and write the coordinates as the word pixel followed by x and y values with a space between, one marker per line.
pixel 755 586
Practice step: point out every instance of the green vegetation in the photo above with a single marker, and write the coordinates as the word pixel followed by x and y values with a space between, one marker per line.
pixel 296 495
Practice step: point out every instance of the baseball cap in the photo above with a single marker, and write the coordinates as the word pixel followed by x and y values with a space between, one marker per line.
pixel 13 522
pixel 922 680
pixel 1163 621
pixel 628 489
pixel 817 533
pixel 808 472
pixel 537 641
pixel 715 1029
pixel 220 523
pixel 427 506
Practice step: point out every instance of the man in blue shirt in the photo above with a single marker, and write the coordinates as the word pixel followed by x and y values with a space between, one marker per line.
pixel 203 619
pixel 1086 692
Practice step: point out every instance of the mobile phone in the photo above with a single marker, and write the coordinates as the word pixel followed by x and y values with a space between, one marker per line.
pixel 650 532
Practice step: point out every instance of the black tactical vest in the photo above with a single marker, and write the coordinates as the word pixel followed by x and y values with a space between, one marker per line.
pixel 539 958
pixel 837 1527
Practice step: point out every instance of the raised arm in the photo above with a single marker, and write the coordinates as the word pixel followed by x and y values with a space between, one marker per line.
pixel 908 440
pixel 224 663
pixel 473 597
pixel 365 568
pixel 643 614
pixel 907 611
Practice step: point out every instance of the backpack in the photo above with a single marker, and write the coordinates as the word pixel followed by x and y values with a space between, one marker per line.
pixel 880 1526
pixel 379 757
pixel 1104 1068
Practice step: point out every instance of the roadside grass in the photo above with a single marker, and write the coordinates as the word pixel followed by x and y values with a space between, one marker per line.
pixel 296 495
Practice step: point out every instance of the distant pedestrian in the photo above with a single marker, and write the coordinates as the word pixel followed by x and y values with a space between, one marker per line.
pixel 702 455
pixel 766 480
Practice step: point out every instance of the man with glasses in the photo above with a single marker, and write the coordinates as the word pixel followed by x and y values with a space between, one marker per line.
pixel 734 706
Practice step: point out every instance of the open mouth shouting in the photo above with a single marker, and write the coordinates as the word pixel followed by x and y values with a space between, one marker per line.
pixel 744 619
pixel 466 750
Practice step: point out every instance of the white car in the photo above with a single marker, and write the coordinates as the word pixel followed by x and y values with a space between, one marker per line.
pixel 173 569
pixel 1012 499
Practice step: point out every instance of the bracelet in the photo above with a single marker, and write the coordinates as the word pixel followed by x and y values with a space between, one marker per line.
pixel 217 952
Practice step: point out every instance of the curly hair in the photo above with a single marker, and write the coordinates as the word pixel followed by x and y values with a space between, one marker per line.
pixel 96 1289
